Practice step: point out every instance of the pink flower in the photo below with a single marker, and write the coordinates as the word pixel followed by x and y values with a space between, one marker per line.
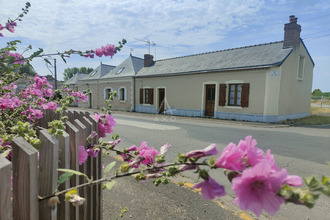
pixel 48 92
pixel 148 152
pixel 208 151
pixel 185 167
pixel 163 149
pixel 10 28
pixel 82 155
pixel 131 148
pixel 93 152
pixel 109 50
pixel 50 105
pixel 231 158
pixel 99 52
pixel 36 113
pixel 210 189
pixel 256 189
pixel 253 154
pixel 1 27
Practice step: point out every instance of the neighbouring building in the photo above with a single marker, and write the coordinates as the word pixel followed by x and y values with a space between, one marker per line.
pixel 266 82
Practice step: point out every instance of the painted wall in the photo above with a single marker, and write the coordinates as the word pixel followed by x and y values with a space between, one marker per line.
pixel 97 88
pixel 295 94
pixel 188 92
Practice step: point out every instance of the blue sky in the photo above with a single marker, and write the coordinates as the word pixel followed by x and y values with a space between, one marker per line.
pixel 178 27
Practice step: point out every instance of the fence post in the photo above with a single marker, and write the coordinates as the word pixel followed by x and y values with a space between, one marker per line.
pixel 48 164
pixel 82 135
pixel 6 208
pixel 74 155
pixel 25 180
pixel 97 170
pixel 63 209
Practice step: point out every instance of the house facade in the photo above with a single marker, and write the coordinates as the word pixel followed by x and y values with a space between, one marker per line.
pixel 266 83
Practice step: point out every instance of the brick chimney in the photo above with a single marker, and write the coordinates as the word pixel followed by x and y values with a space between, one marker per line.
pixel 148 60
pixel 291 33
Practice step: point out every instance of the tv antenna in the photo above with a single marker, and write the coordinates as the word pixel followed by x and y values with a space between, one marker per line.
pixel 149 43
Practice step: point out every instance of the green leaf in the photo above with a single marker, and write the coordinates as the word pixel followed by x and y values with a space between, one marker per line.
pixel 73 172
pixel 47 61
pixel 110 184
pixel 64 177
pixel 109 166
pixel 311 182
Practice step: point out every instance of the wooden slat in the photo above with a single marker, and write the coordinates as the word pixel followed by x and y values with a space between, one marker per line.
pixel 48 165
pixel 6 208
pixel 74 155
pixel 82 135
pixel 97 170
pixel 25 180
pixel 63 209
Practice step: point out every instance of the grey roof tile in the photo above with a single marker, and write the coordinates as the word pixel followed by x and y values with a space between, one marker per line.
pixel 256 56
pixel 76 78
pixel 127 68
pixel 98 72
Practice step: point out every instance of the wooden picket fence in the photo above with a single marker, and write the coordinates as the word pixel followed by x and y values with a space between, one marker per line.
pixel 34 174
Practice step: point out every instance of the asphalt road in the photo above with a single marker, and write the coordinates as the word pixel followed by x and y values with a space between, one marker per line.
pixel 301 150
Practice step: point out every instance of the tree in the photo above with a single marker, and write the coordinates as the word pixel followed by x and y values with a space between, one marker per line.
pixel 70 72
pixel 317 92
pixel 27 69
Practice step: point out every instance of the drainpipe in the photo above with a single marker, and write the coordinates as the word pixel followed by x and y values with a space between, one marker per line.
pixel 133 94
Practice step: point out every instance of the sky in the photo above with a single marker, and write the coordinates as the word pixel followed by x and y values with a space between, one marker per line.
pixel 173 28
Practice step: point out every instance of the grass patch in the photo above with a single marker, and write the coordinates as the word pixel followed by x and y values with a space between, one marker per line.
pixel 318 110
pixel 319 116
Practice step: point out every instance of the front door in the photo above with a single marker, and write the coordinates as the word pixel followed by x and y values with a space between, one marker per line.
pixel 161 101
pixel 209 100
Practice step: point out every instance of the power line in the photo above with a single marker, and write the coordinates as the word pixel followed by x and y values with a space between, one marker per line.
pixel 316 37
pixel 317 32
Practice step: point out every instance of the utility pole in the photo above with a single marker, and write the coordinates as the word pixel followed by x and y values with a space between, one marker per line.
pixel 55 73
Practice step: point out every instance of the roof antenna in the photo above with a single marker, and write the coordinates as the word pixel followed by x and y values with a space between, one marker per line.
pixel 149 43
pixel 131 49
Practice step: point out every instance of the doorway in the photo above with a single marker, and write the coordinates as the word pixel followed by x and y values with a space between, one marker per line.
pixel 161 101
pixel 90 100
pixel 209 99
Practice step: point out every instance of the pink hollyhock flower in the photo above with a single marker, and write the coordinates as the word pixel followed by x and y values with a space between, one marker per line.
pixel 1 27
pixel 131 148
pixel 231 158
pixel 37 113
pixel 109 50
pixel 148 152
pixel 253 154
pixel 1 35
pixel 208 151
pixel 93 152
pixel 99 52
pixel 48 92
pixel 137 160
pixel 210 189
pixel 82 155
pixel 256 189
pixel 10 28
pixel 101 129
pixel 83 97
pixel 50 105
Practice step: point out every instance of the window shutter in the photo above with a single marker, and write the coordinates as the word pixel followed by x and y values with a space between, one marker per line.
pixel 118 94
pixel 222 95
pixel 245 95
pixel 104 93
pixel 125 94
pixel 141 96
pixel 151 96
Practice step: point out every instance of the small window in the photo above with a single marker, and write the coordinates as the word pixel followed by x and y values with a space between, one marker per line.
pixel 147 96
pixel 301 67
pixel 235 94
pixel 93 73
pixel 120 70
pixel 107 93
pixel 121 94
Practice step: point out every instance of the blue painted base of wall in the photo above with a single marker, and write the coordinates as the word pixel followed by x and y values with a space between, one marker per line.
pixel 222 115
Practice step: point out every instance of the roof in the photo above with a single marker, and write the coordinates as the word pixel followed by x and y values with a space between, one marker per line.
pixel 256 56
pixel 99 72
pixel 129 67
pixel 74 79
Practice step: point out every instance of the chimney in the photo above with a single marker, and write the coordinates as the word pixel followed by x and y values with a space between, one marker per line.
pixel 148 60
pixel 291 33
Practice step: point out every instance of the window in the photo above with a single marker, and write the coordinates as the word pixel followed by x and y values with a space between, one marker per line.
pixel 238 94
pixel 120 70
pixel 107 93
pixel 301 67
pixel 235 94
pixel 122 94
pixel 147 96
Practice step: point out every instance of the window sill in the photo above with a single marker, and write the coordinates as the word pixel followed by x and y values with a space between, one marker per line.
pixel 233 107
pixel 122 101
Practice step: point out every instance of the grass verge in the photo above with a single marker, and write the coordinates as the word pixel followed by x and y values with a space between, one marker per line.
pixel 319 116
